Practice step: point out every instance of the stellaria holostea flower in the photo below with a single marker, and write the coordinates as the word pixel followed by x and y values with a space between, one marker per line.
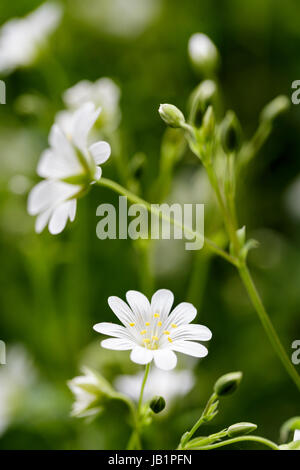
pixel 170 385
pixel 150 331
pixel 103 93
pixel 69 167
pixel 22 38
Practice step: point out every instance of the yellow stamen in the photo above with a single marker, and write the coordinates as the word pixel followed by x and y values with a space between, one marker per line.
pixel 174 325
pixel 156 315
pixel 132 324
pixel 146 340
pixel 154 338
pixel 166 332
pixel 159 323
pixel 169 339
pixel 143 332
pixel 147 323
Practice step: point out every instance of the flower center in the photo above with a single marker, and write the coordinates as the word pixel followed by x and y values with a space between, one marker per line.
pixel 153 332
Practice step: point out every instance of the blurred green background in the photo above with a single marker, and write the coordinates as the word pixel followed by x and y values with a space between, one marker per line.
pixel 53 289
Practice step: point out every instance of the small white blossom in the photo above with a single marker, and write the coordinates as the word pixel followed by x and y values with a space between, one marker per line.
pixel 169 385
pixel 16 379
pixel 203 53
pixel 69 167
pixel 103 93
pixel 90 391
pixel 150 331
pixel 22 38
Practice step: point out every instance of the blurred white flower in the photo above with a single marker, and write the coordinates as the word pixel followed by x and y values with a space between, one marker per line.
pixel 292 199
pixel 170 385
pixel 150 331
pixel 103 93
pixel 22 38
pixel 203 53
pixel 123 18
pixel 297 435
pixel 69 167
pixel 17 378
pixel 90 391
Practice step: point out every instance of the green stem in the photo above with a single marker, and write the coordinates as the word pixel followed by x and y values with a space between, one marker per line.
pixel 137 200
pixel 143 388
pixel 267 324
pixel 234 440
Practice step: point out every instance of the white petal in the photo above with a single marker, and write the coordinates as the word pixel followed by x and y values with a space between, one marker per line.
pixel 184 313
pixel 72 209
pixel 98 173
pixel 48 194
pixel 165 359
pixel 121 310
pixel 192 332
pixel 100 152
pixel 42 220
pixel 139 305
pixel 84 119
pixel 162 302
pixel 117 344
pixel 297 435
pixel 111 329
pixel 141 355
pixel 63 159
pixel 59 218
pixel 190 348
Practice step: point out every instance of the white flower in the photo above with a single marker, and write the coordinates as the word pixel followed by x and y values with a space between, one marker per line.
pixel 297 435
pixel 21 38
pixel 203 53
pixel 90 391
pixel 16 380
pixel 150 331
pixel 69 166
pixel 169 384
pixel 103 93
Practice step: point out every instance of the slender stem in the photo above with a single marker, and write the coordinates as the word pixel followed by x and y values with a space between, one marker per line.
pixel 267 324
pixel 143 387
pixel 152 209
pixel 234 440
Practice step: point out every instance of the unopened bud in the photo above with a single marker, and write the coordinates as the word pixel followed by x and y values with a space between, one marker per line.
pixel 171 115
pixel 239 429
pixel 276 107
pixel 157 404
pixel 228 383
pixel 231 133
pixel 203 53
pixel 208 124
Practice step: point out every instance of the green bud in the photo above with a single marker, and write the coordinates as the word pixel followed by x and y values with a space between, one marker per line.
pixel 203 54
pixel 276 107
pixel 208 124
pixel 157 404
pixel 231 133
pixel 239 429
pixel 228 383
pixel 171 115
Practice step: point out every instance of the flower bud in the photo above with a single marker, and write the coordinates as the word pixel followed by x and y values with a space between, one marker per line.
pixel 208 124
pixel 239 429
pixel 228 383
pixel 276 107
pixel 203 53
pixel 231 133
pixel 171 115
pixel 157 404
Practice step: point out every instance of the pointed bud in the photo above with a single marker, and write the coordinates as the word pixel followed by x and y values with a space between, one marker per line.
pixel 276 107
pixel 231 133
pixel 203 54
pixel 171 115
pixel 157 404
pixel 228 383
pixel 208 124
pixel 239 429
